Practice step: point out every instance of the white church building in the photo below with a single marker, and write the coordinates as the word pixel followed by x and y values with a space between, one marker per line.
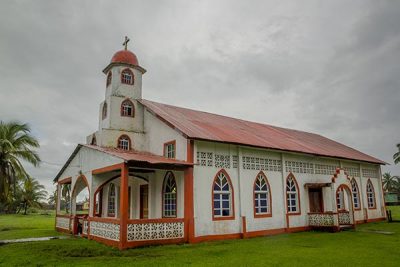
pixel 159 174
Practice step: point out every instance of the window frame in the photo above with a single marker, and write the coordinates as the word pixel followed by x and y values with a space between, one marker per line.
pixel 354 184
pixel 123 80
pixel 109 79
pixel 169 175
pixel 114 200
pixel 297 198
pixel 104 111
pixel 373 195
pixel 132 108
pixel 231 215
pixel 129 142
pixel 165 149
pixel 268 198
pixel 340 205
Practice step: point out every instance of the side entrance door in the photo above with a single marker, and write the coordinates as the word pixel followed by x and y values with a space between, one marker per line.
pixel 144 201
pixel 315 196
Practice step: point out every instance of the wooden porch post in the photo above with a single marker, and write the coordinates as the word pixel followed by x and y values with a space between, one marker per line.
pixel 123 206
pixel 189 201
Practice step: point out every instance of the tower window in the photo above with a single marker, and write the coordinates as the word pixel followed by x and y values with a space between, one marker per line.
pixel 127 109
pixel 109 77
pixel 127 76
pixel 124 142
pixel 104 111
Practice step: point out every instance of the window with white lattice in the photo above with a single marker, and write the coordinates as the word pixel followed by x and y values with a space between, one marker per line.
pixel 370 195
pixel 292 195
pixel 340 198
pixel 127 109
pixel 127 76
pixel 262 197
pixel 124 142
pixel 222 196
pixel 169 195
pixel 111 201
pixel 169 149
pixel 355 193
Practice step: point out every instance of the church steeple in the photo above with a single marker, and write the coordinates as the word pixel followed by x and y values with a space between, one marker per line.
pixel 120 114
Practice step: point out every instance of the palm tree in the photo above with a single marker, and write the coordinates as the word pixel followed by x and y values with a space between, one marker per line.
pixel 396 156
pixel 52 199
pixel 16 144
pixel 388 181
pixel 66 194
pixel 32 193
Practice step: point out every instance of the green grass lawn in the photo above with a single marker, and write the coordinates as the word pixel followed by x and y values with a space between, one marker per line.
pixel 363 247
pixel 13 226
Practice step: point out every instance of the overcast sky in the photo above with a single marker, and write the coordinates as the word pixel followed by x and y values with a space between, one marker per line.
pixel 329 67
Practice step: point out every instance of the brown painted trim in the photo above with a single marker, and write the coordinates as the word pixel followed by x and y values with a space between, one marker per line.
pixel 106 220
pixel 108 242
pixel 67 180
pixel 63 230
pixel 163 220
pixel 132 244
pixel 110 168
pixel 189 194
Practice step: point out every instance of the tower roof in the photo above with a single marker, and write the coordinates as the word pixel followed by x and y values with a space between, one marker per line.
pixel 125 56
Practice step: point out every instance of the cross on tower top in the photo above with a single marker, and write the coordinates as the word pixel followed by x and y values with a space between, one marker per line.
pixel 126 42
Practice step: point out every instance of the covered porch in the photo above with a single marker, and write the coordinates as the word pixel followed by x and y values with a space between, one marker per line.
pixel 330 204
pixel 144 200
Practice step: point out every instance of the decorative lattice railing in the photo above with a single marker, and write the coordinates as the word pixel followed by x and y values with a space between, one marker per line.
pixel 157 229
pixel 63 222
pixel 321 219
pixel 107 230
pixel 344 217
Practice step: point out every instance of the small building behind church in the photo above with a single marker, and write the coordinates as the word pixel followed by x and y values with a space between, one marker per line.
pixel 160 174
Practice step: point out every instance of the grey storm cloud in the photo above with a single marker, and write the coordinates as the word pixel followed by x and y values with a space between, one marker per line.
pixel 329 67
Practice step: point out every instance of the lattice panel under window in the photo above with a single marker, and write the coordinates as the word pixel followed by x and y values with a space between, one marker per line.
pixel 370 173
pixel 205 158
pixel 155 231
pixel 62 222
pixel 222 161
pixel 324 169
pixel 254 163
pixel 235 161
pixel 105 230
pixel 299 167
pixel 352 171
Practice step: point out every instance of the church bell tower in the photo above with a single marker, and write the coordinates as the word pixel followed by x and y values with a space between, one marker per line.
pixel 120 114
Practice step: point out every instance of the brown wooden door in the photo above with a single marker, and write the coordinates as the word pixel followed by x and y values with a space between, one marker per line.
pixel 144 201
pixel 315 196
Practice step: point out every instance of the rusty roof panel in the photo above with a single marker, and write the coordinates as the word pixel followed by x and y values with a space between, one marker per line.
pixel 207 126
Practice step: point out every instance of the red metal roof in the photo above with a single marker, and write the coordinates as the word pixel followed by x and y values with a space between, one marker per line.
pixel 207 126
pixel 132 155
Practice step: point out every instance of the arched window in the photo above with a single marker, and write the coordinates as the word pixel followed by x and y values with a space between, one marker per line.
pixel 109 78
pixel 355 193
pixel 340 198
pixel 111 201
pixel 127 108
pixel 292 195
pixel 124 142
pixel 370 195
pixel 262 196
pixel 104 111
pixel 93 142
pixel 169 195
pixel 127 76
pixel 222 196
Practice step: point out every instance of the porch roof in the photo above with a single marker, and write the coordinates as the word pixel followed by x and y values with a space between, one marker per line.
pixel 146 159
pixel 139 156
